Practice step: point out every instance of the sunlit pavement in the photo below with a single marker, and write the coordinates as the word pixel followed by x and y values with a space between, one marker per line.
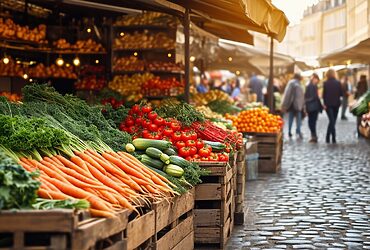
pixel 320 200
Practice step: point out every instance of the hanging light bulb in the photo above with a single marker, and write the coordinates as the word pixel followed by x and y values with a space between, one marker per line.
pixel 169 55
pixel 6 60
pixel 192 58
pixel 88 30
pixel 237 72
pixel 76 61
pixel 96 61
pixel 59 61
pixel 230 59
pixel 122 34
pixel 25 76
pixel 68 65
pixel 135 53
pixel 31 80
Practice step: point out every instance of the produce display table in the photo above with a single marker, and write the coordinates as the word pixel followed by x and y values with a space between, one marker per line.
pixel 270 150
pixel 214 205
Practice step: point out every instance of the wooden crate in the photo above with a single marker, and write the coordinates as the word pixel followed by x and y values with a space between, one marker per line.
pixel 174 223
pixel 270 150
pixel 214 205
pixel 61 229
pixel 240 189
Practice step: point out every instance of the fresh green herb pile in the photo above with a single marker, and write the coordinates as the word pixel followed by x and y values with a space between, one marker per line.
pixel 46 204
pixel 183 112
pixel 115 116
pixel 223 107
pixel 17 186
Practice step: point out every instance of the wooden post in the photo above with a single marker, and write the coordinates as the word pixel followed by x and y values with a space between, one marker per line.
pixel 187 54
pixel 270 89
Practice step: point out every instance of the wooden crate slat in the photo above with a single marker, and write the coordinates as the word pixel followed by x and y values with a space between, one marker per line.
pixel 207 217
pixel 140 230
pixel 175 235
pixel 209 191
pixel 187 243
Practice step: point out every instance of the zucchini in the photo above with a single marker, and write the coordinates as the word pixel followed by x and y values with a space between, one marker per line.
pixel 143 144
pixel 157 154
pixel 173 170
pixel 170 151
pixel 177 160
pixel 216 146
pixel 155 163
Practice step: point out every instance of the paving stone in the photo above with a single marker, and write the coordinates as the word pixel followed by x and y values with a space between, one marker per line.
pixel 305 246
pixel 295 241
pixel 278 238
pixel 352 239
pixel 279 228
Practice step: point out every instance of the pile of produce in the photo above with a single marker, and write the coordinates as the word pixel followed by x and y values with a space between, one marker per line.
pixel 147 18
pixel 11 30
pixel 144 40
pixel 257 120
pixel 11 96
pixel 131 63
pixel 91 82
pixel 213 95
pixel 81 46
pixel 360 107
pixel 223 107
pixel 162 87
pixel 208 113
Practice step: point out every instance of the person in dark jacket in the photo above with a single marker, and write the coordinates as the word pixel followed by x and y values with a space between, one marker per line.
pixel 313 105
pixel 331 94
pixel 346 93
pixel 361 87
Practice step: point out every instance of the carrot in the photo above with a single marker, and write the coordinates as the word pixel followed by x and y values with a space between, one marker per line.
pixel 122 165
pixel 26 165
pixel 101 213
pixel 50 194
pixel 151 189
pixel 137 166
pixel 48 184
pixel 49 172
pixel 110 198
pixel 90 160
pixel 54 158
pixel 53 162
pixel 79 193
pixel 139 181
pixel 73 165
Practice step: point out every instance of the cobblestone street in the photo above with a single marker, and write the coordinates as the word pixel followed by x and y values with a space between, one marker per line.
pixel 320 200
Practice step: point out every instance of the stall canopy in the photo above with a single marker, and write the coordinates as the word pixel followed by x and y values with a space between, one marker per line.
pixel 357 53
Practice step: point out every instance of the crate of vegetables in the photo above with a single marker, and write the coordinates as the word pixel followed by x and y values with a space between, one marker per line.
pixel 214 205
pixel 174 222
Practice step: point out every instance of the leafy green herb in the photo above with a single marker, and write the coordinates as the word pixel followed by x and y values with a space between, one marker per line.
pixel 17 186
pixel 46 204
pixel 183 112
pixel 223 107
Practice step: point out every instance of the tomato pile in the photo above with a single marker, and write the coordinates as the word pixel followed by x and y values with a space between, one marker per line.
pixel 113 102
pixel 257 120
pixel 143 122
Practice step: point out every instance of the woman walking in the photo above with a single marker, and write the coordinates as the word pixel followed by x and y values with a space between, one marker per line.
pixel 331 95
pixel 313 105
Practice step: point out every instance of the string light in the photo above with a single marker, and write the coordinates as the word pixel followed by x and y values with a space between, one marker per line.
pixel 169 55
pixel 59 61
pixel 135 53
pixel 192 58
pixel 237 72
pixel 76 61
pixel 25 76
pixel 6 60
pixel 122 34
pixel 68 65
pixel 230 58
pixel 88 30
pixel 96 61
pixel 31 80
pixel 32 62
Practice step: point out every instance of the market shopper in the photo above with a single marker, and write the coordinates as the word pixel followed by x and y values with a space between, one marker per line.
pixel 313 105
pixel 235 89
pixel 256 87
pixel 293 102
pixel 361 87
pixel 346 93
pixel 332 93
pixel 203 86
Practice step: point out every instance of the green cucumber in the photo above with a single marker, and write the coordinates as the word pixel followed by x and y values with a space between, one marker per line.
pixel 158 154
pixel 170 151
pixel 155 163
pixel 216 146
pixel 177 160
pixel 173 170
pixel 143 144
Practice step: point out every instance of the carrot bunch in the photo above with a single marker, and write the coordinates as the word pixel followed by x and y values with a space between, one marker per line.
pixel 110 181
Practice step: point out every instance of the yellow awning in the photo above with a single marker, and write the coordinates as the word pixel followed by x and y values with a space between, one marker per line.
pixel 356 53
pixel 256 15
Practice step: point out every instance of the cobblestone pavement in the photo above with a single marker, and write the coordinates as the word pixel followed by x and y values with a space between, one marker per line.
pixel 320 200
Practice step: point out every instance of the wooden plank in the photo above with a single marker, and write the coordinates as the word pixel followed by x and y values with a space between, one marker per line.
pixel 187 243
pixel 251 147
pixel 228 176
pixel 207 217
pixel 240 166
pixel 226 232
pixel 58 220
pixel 207 235
pixel 120 245
pixel 267 166
pixel 175 235
pixel 87 235
pixel 210 191
pixel 140 230
pixel 167 211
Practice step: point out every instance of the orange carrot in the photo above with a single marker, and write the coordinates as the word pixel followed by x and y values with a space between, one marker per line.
pixel 101 213
pixel 52 162
pixel 79 193
pixel 48 184
pixel 49 171
pixel 73 165
pixel 90 160
pixel 50 194
pixel 129 162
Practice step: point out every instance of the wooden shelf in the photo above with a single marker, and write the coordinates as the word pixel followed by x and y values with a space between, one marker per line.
pixel 156 72
pixel 142 27
pixel 144 49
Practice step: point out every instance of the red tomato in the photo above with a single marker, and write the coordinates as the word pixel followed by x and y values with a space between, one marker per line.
pixel 199 144
pixel 145 123
pixel 135 109
pixel 175 126
pixel 184 152
pixel 190 143
pixel 189 158
pixel 132 129
pixel 152 127
pixel 159 121
pixel 193 150
pixel 122 126
pixel 146 109
pixel 193 135
pixel 167 122
pixel 196 156
pixel 152 115
pixel 204 152
pixel 138 121
pixel 180 144
pixel 185 136
pixel 176 136
pixel 129 121
pixel 168 132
